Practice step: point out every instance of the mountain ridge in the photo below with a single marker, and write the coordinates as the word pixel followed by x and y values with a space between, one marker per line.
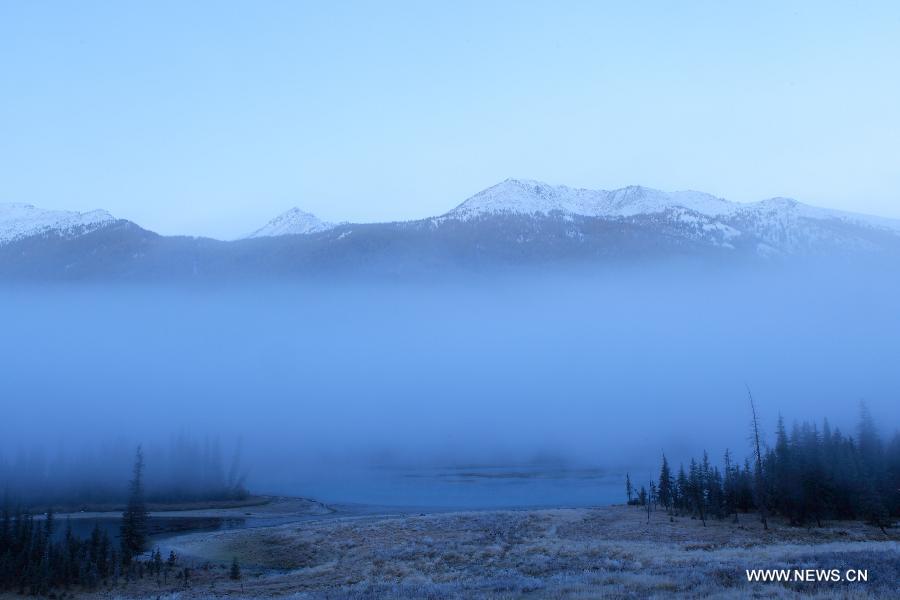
pixel 516 222
pixel 512 196
pixel 507 196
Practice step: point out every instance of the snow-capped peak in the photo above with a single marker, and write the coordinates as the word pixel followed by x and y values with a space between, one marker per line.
pixel 526 197
pixel 292 222
pixel 18 221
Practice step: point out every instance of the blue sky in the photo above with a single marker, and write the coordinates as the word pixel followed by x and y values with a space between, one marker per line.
pixel 211 117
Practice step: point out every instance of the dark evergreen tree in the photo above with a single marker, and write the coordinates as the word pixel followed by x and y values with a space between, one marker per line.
pixel 730 486
pixel 695 491
pixel 665 484
pixel 134 518
pixel 682 492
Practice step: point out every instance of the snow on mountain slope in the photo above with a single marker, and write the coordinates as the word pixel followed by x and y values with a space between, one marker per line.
pixel 292 222
pixel 524 197
pixel 798 228
pixel 779 223
pixel 18 221
pixel 789 209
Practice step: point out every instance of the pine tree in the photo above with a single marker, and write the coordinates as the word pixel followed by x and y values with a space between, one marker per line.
pixel 715 495
pixel 682 493
pixel 696 490
pixel 134 518
pixel 235 572
pixel 629 488
pixel 730 486
pixel 665 484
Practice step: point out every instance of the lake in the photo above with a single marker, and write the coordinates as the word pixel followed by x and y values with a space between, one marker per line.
pixel 458 487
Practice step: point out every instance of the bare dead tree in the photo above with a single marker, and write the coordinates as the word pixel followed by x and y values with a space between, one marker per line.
pixel 760 490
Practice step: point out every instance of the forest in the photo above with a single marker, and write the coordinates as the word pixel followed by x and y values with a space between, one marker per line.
pixel 36 561
pixel 808 476
pixel 39 555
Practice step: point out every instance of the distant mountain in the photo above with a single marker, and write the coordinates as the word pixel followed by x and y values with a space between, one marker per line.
pixel 19 221
pixel 777 225
pixel 514 223
pixel 292 222
pixel 525 197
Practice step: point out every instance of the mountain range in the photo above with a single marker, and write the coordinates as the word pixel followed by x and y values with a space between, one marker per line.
pixel 516 222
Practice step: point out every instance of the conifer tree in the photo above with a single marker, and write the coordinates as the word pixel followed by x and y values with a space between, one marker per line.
pixel 696 490
pixel 134 518
pixel 665 484
pixel 681 489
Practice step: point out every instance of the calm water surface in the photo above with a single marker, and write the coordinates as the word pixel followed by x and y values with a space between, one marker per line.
pixel 460 487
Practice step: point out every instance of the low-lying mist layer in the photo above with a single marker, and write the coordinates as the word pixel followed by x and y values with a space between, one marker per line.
pixel 584 368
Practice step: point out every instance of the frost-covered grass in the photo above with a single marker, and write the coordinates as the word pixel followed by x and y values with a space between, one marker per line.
pixel 607 552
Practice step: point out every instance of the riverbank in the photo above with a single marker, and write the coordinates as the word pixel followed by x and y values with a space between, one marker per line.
pixel 560 553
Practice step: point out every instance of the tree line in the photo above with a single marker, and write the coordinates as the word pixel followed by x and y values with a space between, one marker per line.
pixel 184 468
pixel 35 560
pixel 809 475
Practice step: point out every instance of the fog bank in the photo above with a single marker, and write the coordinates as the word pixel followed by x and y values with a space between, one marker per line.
pixel 598 369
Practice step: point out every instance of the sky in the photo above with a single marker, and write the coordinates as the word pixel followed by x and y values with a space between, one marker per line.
pixel 209 118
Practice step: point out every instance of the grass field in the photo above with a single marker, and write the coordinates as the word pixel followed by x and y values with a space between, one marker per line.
pixel 609 552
